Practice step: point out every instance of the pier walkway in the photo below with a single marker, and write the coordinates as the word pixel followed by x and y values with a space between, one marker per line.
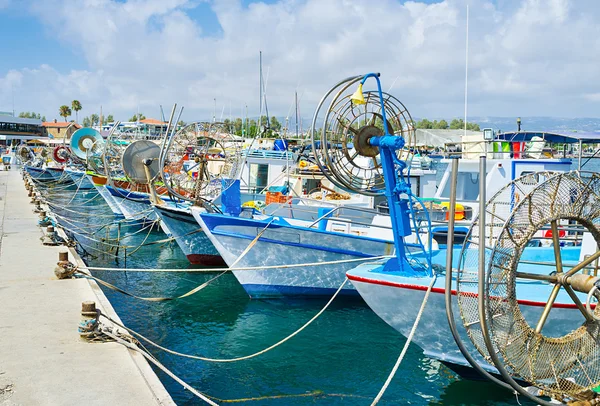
pixel 43 361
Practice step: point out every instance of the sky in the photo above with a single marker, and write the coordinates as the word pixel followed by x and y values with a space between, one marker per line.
pixel 526 57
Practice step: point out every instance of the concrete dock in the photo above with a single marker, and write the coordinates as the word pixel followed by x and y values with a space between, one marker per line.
pixel 43 361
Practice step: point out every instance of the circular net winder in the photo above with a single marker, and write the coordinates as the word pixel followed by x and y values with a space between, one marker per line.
pixel 61 154
pixel 340 140
pixel 140 161
pixel 201 161
pixel 87 143
pixel 555 348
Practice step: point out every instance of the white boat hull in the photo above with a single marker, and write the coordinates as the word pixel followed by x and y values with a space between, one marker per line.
pixel 188 234
pixel 288 245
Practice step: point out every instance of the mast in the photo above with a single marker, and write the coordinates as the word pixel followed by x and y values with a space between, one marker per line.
pixel 296 100
pixel 260 90
pixel 215 110
pixel 466 69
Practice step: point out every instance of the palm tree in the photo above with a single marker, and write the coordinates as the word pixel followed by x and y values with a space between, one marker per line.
pixel 64 111
pixel 76 105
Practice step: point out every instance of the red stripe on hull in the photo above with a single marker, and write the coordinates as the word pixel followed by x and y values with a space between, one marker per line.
pixel 443 291
pixel 205 259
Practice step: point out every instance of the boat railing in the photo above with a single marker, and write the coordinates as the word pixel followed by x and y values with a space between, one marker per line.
pixel 504 149
pixel 268 154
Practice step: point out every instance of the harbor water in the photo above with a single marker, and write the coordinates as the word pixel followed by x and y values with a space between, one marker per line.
pixel 344 357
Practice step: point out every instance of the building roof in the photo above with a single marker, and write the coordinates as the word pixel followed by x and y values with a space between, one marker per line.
pixel 152 121
pixel 439 138
pixel 19 120
pixel 59 124
pixel 559 137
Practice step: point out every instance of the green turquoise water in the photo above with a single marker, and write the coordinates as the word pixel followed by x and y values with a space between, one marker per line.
pixel 344 357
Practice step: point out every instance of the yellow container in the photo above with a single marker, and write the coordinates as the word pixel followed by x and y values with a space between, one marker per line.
pixel 459 211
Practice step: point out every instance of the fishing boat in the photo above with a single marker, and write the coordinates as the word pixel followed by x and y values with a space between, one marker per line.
pixel 199 163
pixel 190 238
pixel 296 233
pixel 384 291
pixel 99 183
pixel 45 174
pixel 79 178
pixel 512 334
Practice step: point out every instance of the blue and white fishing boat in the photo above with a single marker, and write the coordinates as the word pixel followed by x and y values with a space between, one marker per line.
pixel 133 205
pixel 45 174
pixel 289 239
pixel 506 287
pixel 341 233
pixel 385 290
pixel 79 178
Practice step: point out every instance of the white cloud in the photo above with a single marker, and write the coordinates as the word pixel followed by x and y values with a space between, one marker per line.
pixel 531 57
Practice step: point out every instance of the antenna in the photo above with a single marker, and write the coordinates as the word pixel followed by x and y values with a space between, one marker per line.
pixel 466 69
pixel 215 110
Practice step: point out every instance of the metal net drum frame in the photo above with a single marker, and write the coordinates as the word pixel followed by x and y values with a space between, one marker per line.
pixel 566 366
pixel 341 147
pixel 218 160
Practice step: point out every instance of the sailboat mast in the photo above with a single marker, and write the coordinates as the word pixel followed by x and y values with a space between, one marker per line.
pixel 260 89
pixel 466 69
pixel 296 102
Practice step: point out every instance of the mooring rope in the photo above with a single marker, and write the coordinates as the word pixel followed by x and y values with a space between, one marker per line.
pixel 87 214
pixel 408 341
pixel 226 360
pixel 131 343
pixel 189 293
pixel 246 268
pixel 149 299
pixel 159 365
pixel 82 204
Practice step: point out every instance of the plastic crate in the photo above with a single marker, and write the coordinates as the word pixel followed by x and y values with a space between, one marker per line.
pixel 277 197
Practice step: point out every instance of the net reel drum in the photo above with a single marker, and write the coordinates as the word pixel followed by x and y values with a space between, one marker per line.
pixel 347 122
pixel 361 142
pixel 61 154
pixel 25 154
pixel 87 143
pixel 140 164
pixel 201 160
pixel 554 348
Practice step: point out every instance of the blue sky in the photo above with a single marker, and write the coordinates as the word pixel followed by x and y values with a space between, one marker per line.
pixel 527 57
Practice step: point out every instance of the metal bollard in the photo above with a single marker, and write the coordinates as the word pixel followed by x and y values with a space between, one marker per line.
pixel 89 319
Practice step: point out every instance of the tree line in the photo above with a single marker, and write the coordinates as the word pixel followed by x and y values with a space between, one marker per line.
pixel 31 114
pixel 250 127
pixel 456 124
pixel 238 126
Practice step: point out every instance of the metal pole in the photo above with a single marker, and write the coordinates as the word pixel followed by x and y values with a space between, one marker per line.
pixel 450 241
pixel 481 298
pixel 579 158
pixel 449 277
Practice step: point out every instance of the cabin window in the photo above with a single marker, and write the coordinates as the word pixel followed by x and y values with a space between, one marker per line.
pixel 259 176
pixel 467 187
